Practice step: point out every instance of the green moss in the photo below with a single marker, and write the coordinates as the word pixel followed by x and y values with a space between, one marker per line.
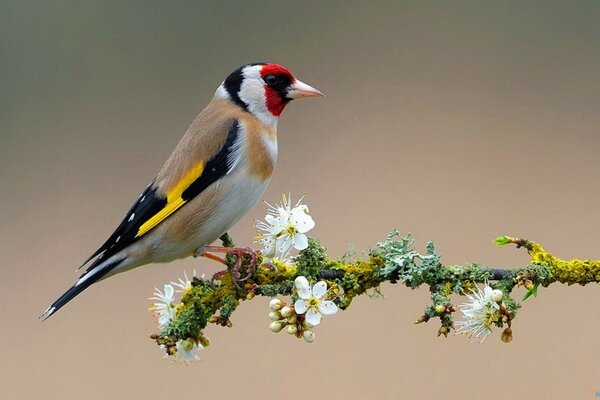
pixel 311 260
pixel 279 289
pixel 189 322
pixel 357 279
pixel 511 305
pixel 228 306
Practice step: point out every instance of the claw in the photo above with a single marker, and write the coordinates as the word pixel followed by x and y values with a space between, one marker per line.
pixel 239 254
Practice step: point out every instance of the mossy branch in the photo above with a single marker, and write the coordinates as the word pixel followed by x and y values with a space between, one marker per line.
pixel 394 260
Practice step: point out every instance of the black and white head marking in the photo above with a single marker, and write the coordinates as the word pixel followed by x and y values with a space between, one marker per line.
pixel 246 88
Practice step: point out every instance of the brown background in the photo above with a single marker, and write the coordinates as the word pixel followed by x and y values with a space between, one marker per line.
pixel 455 122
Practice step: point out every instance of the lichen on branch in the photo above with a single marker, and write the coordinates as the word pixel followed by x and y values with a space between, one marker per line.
pixel 338 282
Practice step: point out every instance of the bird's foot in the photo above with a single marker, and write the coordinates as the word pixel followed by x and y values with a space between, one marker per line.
pixel 241 254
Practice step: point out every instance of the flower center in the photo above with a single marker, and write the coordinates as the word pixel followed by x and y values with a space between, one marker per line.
pixel 313 302
pixel 187 345
pixel 489 317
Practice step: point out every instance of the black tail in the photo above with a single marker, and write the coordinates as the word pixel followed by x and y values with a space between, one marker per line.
pixel 86 280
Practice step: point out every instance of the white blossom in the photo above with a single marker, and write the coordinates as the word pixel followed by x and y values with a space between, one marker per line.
pixel 186 351
pixel 312 301
pixel 284 228
pixel 164 306
pixel 185 284
pixel 480 313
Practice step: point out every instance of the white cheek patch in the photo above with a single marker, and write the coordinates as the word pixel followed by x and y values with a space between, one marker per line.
pixel 252 92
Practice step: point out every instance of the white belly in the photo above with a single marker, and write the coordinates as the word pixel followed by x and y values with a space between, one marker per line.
pixel 231 198
pixel 240 193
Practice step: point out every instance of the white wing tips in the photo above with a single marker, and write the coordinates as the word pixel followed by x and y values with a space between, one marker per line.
pixel 46 314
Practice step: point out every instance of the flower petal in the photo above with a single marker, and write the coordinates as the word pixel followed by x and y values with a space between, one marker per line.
pixel 487 292
pixel 300 306
pixel 284 243
pixel 328 307
pixel 313 317
pixel 283 213
pixel 300 241
pixel 186 351
pixel 169 291
pixel 268 244
pixel 277 224
pixel 300 218
pixel 302 287
pixel 319 289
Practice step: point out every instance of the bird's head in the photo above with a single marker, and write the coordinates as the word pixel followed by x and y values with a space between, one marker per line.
pixel 264 89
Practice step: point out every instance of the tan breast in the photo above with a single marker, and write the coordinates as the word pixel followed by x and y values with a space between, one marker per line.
pixel 261 146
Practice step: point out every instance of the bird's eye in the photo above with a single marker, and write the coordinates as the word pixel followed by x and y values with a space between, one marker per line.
pixel 271 80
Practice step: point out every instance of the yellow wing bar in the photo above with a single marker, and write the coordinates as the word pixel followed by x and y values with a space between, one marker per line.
pixel 174 199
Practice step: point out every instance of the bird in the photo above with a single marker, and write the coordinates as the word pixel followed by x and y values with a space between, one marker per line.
pixel 214 176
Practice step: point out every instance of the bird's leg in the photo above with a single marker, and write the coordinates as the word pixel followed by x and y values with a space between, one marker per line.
pixel 214 257
pixel 227 242
pixel 201 252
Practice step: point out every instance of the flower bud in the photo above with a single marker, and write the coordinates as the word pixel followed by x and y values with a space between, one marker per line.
pixel 204 341
pixel 292 319
pixel 309 336
pixel 507 335
pixel 274 316
pixel 440 309
pixel 286 311
pixel 276 326
pixel 276 304
pixel 291 329
pixel 497 295
pixel 443 331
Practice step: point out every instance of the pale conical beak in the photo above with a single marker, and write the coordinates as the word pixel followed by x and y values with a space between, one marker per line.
pixel 300 89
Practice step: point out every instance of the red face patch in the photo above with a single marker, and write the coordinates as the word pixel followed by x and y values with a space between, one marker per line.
pixel 275 93
pixel 276 69
pixel 275 102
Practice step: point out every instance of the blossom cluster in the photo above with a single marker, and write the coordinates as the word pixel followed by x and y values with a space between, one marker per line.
pixel 164 308
pixel 284 229
pixel 483 309
pixel 301 319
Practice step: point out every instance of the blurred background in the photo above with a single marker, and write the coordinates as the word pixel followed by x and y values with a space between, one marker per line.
pixel 455 121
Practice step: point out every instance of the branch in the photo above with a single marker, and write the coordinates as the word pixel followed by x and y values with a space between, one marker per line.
pixel 394 260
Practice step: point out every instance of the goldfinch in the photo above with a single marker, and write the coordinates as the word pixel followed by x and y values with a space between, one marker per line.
pixel 215 175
